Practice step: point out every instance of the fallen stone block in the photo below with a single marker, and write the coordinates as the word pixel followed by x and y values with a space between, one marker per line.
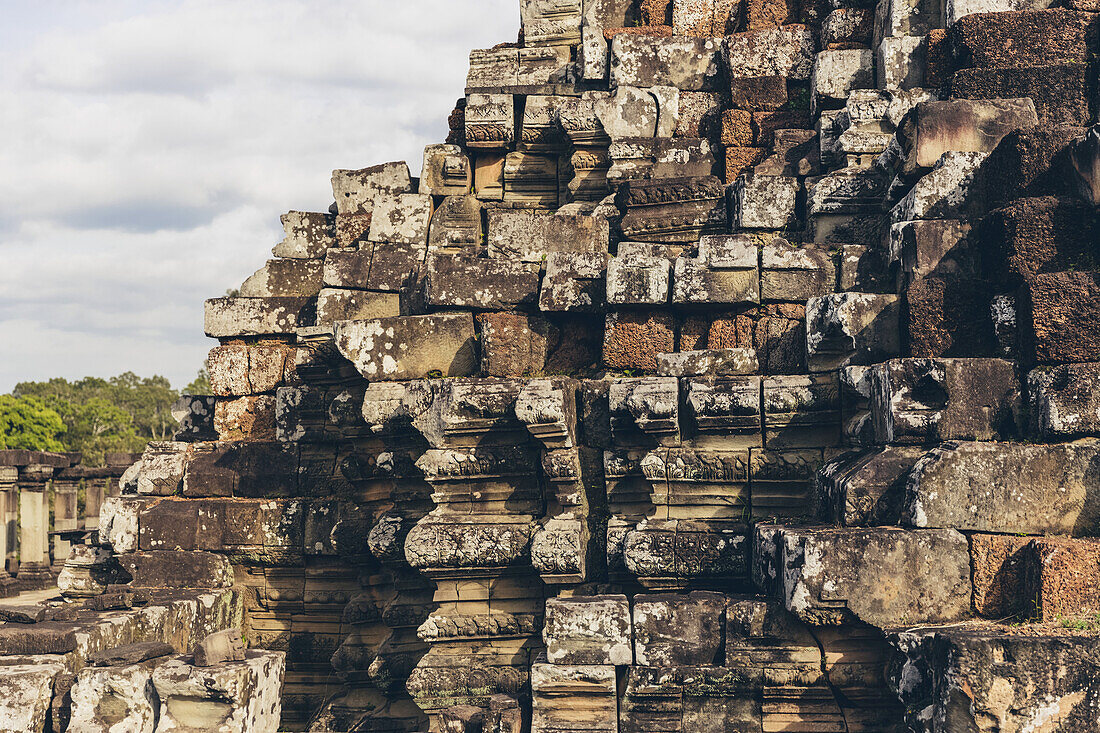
pixel 931 247
pixel 917 401
pixel 885 576
pixel 218 648
pixel 355 190
pixel 588 630
pixel 845 329
pixel 950 190
pixel 242 695
pixel 673 630
pixel 127 654
pixel 456 281
pixel 410 347
pixel 1007 487
pixel 234 316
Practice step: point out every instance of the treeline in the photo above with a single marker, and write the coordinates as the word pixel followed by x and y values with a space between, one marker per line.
pixel 92 416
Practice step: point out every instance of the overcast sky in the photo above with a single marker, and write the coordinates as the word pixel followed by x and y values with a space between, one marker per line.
pixel 147 149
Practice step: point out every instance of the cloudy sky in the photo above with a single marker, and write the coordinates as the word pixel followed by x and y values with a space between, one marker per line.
pixel 148 147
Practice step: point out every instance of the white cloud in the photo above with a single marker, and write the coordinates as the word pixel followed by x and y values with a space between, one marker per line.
pixel 150 147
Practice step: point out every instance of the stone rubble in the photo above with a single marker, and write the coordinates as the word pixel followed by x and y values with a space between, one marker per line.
pixel 730 367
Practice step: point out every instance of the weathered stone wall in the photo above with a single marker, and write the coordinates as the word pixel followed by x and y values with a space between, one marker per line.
pixel 731 367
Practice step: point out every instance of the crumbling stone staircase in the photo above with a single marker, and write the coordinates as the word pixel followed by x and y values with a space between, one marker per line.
pixel 732 367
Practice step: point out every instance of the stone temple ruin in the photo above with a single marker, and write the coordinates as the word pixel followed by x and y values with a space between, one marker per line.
pixel 733 366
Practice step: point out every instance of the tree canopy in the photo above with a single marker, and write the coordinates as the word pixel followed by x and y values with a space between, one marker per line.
pixel 93 416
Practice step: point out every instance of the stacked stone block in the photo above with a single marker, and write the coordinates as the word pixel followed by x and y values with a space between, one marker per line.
pixel 729 368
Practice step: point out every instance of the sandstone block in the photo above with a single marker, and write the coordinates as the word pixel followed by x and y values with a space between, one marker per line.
pixel 456 225
pixel 962 125
pixel 237 370
pixel 27 690
pixel 902 62
pixel 1065 401
pixel 861 489
pixel 285 278
pixel 529 236
pixel 885 576
pixel 776 52
pixel 588 630
pixel 308 235
pixel 490 121
pixel 950 190
pixel 716 362
pixel 355 190
pixel 629 112
pixel 681 62
pixel 955 10
pixel 916 401
pixel 234 316
pixel 243 695
pixel 837 72
pixel 638 280
pixel 672 630
pixel 851 328
pixel 245 418
pixel 171 569
pixel 446 171
pixel 410 347
pixel 801 411
pixel 456 281
pixel 1006 487
pixel 119 697
pixel 703 18
pixel 401 219
pixel 574 282
pixel 218 648
pixel 765 202
pixel 932 247
pixel 953 675
pixel 345 304
pixel 1084 159
pixel 580 698
pixel 792 273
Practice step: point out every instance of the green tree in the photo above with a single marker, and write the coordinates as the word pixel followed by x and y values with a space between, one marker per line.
pixel 26 422
pixel 100 427
pixel 200 385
